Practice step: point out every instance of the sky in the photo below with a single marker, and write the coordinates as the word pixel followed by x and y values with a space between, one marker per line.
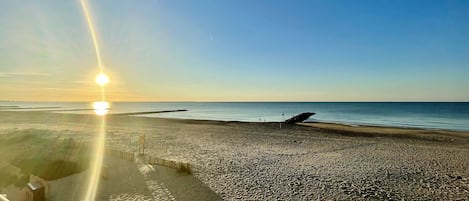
pixel 236 50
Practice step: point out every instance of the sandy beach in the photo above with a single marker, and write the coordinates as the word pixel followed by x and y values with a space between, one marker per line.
pixel 261 161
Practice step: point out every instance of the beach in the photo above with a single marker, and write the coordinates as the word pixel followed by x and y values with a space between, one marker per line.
pixel 269 161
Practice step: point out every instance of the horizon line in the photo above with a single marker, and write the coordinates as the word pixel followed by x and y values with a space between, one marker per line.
pixel 252 101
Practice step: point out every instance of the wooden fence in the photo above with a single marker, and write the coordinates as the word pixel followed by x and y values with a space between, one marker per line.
pixel 130 156
pixel 180 166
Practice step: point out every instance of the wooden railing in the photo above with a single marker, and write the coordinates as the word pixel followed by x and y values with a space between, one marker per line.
pixel 180 166
pixel 130 156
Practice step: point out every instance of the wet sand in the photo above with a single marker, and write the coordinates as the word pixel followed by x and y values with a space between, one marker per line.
pixel 262 161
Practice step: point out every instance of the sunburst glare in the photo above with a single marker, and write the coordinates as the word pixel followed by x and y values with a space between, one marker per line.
pixel 102 79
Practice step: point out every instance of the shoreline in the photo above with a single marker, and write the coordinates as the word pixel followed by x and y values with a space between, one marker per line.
pixel 355 124
pixel 388 131
pixel 331 127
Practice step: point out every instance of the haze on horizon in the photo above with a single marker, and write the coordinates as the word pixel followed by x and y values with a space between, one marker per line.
pixel 243 50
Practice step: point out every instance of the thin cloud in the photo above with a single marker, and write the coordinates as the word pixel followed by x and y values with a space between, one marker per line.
pixel 82 89
pixel 16 74
pixel 82 81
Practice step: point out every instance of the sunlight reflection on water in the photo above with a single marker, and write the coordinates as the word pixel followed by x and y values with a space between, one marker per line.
pixel 101 108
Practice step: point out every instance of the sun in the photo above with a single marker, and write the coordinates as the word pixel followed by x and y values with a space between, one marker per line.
pixel 102 79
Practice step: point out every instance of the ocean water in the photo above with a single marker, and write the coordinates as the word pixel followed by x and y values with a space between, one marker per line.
pixel 431 115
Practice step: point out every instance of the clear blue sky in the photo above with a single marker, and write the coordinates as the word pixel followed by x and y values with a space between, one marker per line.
pixel 238 50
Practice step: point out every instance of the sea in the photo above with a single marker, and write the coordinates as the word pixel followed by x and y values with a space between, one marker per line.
pixel 429 115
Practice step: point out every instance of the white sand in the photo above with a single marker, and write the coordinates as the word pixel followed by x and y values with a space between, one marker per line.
pixel 260 161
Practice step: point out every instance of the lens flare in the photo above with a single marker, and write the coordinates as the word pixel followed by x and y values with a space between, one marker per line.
pixel 100 108
pixel 92 31
pixel 102 79
pixel 97 162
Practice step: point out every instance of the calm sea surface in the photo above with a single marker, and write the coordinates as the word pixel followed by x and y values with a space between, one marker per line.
pixel 447 115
